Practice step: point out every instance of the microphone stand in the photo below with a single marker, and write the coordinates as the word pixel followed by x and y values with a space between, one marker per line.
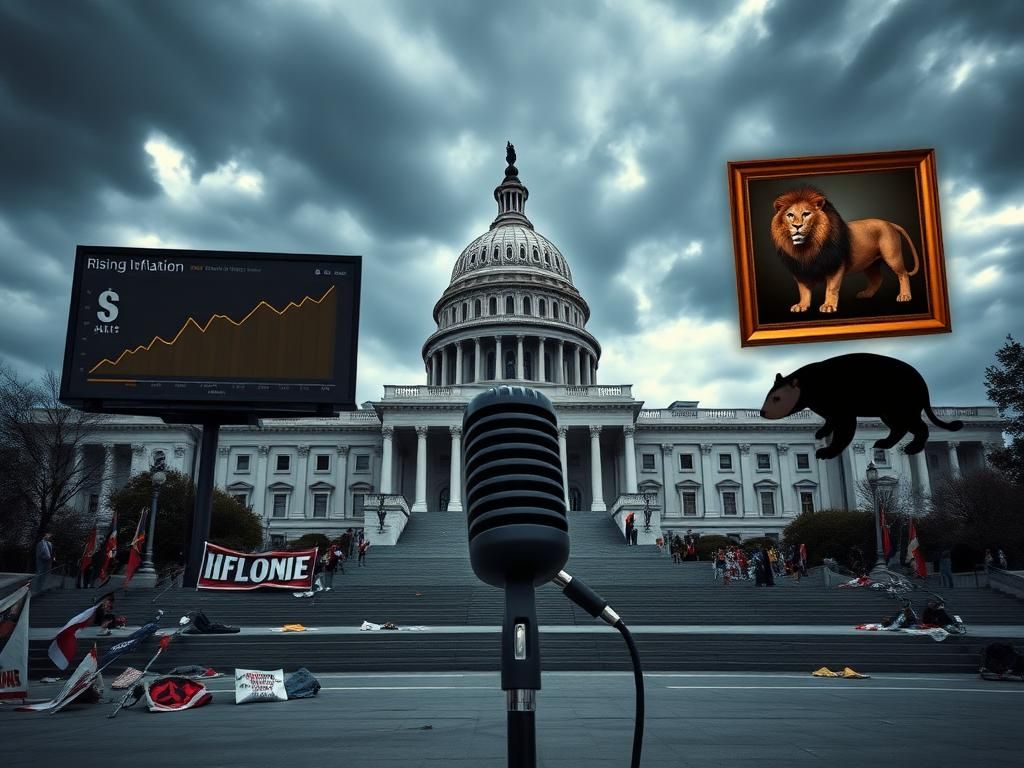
pixel 520 672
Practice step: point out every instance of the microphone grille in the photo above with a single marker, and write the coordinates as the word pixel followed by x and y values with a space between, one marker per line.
pixel 512 464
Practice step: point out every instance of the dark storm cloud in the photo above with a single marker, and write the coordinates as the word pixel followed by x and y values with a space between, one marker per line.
pixel 382 132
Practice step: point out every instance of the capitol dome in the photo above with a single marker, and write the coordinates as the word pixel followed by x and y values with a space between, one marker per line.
pixel 511 311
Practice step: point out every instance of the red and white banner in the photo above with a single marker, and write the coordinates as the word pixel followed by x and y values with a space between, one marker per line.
pixel 77 684
pixel 62 649
pixel 14 644
pixel 915 554
pixel 226 569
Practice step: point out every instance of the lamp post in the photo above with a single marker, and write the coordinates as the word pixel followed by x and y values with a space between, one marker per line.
pixel 157 477
pixel 647 511
pixel 872 476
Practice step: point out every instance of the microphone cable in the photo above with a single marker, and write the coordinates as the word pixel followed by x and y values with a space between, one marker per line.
pixel 597 606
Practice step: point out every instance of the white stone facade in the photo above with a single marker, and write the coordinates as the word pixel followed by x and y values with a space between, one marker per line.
pixel 511 315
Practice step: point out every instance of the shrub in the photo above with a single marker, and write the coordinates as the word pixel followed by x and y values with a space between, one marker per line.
pixel 848 535
pixel 709 544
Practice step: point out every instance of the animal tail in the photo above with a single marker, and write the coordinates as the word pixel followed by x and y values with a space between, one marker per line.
pixel 913 250
pixel 952 426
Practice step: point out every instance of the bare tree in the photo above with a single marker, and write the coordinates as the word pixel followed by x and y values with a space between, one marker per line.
pixel 898 501
pixel 41 458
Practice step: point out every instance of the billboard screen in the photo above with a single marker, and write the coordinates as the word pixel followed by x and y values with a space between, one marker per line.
pixel 155 330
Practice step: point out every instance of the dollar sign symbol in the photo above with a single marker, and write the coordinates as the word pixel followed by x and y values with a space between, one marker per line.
pixel 108 300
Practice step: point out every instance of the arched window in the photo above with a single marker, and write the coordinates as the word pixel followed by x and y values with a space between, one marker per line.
pixel 547 258
pixel 495 253
pixel 542 308
pixel 522 253
pixel 477 308
pixel 483 255
pixel 472 258
pixel 554 309
pixel 510 305
pixel 465 310
pixel 508 252
pixel 492 306
pixel 527 307
pixel 536 254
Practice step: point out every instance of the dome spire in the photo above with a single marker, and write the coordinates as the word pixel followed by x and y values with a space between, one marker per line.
pixel 511 195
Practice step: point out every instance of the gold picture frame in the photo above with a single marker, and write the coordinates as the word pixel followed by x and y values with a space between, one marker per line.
pixel 895 187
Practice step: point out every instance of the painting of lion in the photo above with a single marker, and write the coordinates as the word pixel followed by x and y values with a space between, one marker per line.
pixel 817 246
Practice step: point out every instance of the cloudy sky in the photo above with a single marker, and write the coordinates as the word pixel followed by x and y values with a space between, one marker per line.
pixel 379 128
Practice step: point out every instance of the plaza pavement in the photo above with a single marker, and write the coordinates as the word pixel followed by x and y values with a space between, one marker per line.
pixel 583 719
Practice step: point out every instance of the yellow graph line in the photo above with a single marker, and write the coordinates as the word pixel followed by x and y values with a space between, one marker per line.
pixel 203 329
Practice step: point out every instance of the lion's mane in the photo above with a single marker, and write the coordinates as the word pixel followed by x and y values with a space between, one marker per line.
pixel 827 246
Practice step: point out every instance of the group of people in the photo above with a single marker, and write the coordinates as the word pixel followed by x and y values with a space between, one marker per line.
pixel 683 547
pixel 997 560
pixel 762 565
pixel 934 615
pixel 333 559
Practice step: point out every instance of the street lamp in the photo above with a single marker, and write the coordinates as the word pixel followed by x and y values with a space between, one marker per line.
pixel 157 477
pixel 647 511
pixel 872 474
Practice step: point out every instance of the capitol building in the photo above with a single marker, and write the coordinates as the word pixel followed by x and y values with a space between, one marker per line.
pixel 512 315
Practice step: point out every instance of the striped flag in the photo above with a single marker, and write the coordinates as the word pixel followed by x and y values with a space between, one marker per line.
pixel 110 550
pixel 90 550
pixel 914 552
pixel 62 649
pixel 135 556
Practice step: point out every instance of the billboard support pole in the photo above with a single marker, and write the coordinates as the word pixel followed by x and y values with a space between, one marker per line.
pixel 202 511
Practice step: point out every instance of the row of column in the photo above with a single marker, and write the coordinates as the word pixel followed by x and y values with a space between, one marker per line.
pixel 455 479
pixel 581 371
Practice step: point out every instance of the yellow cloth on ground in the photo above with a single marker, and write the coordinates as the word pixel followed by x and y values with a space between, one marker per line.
pixel 824 672
pixel 851 674
pixel 293 628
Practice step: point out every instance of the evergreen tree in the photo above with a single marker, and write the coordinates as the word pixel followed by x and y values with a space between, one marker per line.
pixel 1004 383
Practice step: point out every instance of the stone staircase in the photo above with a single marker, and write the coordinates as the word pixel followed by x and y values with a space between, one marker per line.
pixel 683 620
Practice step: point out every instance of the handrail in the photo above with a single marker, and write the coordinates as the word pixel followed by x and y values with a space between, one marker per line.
pixel 1006 581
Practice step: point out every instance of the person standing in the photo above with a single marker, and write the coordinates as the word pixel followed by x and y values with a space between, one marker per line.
pixel 629 528
pixel 1001 557
pixel 803 560
pixel 330 567
pixel 363 546
pixel 989 560
pixel 946 568
pixel 44 562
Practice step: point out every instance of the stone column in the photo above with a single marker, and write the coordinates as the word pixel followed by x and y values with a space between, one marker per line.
pixel 705 475
pixel 629 431
pixel 858 463
pixel 597 487
pixel 954 460
pixel 924 483
pixel 301 484
pixel 560 365
pixel 341 482
pixel 259 491
pixel 519 358
pixel 458 363
pixel 585 361
pixel 593 370
pixel 667 449
pixel 385 465
pixel 138 459
pixel 420 505
pixel 541 372
pixel 223 462
pixel 430 370
pixel 444 366
pixel 455 480
pixel 746 480
pixel 499 362
pixel 784 478
pixel 477 360
pixel 563 433
pixel 106 481
pixel 576 365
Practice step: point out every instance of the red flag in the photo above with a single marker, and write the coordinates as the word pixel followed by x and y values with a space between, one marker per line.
pixel 914 552
pixel 62 649
pixel 110 549
pixel 90 550
pixel 886 541
pixel 135 556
